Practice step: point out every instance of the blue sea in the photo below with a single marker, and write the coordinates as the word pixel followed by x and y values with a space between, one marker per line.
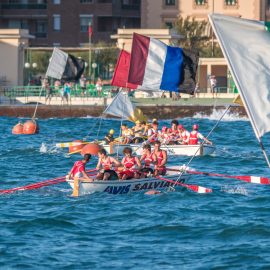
pixel 49 229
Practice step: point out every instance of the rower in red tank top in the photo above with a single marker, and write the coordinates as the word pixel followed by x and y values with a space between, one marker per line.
pixel 131 165
pixel 105 165
pixel 149 159
pixel 160 168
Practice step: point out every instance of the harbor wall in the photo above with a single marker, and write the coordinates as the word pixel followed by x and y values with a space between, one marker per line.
pixel 152 111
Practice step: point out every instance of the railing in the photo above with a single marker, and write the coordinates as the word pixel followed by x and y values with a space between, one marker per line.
pixel 130 7
pixel 77 91
pixel 40 35
pixel 23 6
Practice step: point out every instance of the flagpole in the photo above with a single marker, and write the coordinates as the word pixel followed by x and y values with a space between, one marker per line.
pixel 89 70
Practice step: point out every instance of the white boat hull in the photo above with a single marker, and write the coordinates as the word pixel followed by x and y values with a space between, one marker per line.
pixel 172 150
pixel 117 187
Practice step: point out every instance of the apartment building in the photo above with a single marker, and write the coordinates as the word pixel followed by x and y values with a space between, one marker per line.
pixel 162 13
pixel 65 22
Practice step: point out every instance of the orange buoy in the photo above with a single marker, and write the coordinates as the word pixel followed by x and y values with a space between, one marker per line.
pixel 18 129
pixel 90 148
pixel 30 127
pixel 77 147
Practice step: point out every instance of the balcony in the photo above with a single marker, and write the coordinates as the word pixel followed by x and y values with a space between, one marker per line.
pixel 130 7
pixel 40 35
pixel 23 6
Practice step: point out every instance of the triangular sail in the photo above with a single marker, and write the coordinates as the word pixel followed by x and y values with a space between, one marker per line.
pixel 246 47
pixel 122 107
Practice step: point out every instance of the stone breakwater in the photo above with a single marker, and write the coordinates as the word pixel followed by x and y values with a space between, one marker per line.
pixel 160 112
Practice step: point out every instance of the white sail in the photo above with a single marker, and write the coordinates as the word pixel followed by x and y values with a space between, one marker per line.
pixel 246 47
pixel 121 106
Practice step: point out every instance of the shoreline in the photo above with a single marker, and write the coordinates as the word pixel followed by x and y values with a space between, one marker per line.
pixel 150 110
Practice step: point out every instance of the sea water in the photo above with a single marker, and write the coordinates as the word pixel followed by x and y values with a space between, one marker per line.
pixel 49 229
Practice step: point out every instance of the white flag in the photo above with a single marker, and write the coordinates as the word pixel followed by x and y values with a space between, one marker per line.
pixel 246 47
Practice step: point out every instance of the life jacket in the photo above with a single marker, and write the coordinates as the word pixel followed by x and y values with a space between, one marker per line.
pixel 193 137
pixel 106 164
pixel 78 166
pixel 148 160
pixel 129 163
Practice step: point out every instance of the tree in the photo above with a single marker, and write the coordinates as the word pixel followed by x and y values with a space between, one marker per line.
pixel 195 37
pixel 193 32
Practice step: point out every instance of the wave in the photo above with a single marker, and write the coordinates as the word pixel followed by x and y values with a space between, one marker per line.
pixel 217 114
pixel 44 148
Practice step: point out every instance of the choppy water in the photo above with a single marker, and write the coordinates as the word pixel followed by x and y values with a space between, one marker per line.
pixel 48 229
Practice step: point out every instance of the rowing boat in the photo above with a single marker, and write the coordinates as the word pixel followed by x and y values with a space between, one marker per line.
pixel 116 187
pixel 175 150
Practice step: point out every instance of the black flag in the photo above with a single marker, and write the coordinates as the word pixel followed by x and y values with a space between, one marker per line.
pixel 190 62
pixel 74 68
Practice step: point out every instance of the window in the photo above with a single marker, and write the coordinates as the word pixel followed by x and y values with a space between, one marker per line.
pixel 86 1
pixel 170 2
pixel 57 2
pixel 84 22
pixel 56 22
pixel 230 2
pixel 200 2
pixel 169 25
pixel 18 24
pixel 41 29
pixel 56 44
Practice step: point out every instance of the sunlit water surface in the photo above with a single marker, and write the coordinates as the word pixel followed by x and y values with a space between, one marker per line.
pixel 49 229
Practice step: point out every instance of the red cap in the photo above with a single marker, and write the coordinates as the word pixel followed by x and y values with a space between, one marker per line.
pixel 196 127
pixel 164 128
pixel 180 127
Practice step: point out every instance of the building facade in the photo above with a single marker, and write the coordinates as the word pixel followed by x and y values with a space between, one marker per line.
pixel 65 23
pixel 162 13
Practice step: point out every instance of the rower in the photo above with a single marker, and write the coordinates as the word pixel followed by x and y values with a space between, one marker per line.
pixel 131 165
pixel 138 132
pixel 183 135
pixel 194 136
pixel 78 173
pixel 105 164
pixel 150 159
pixel 160 168
pixel 168 137
pixel 109 137
pixel 145 128
pixel 174 125
pixel 127 134
pixel 153 133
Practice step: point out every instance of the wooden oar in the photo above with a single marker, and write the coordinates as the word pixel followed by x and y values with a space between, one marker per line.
pixel 195 188
pixel 68 144
pixel 38 185
pixel 74 152
pixel 246 178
